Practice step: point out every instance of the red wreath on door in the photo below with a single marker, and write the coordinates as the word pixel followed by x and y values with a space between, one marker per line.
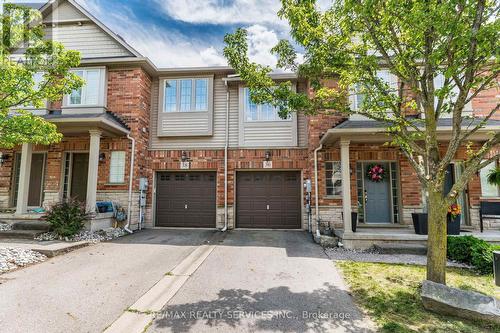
pixel 375 173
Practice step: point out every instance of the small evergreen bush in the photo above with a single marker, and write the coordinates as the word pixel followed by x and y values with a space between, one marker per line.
pixel 67 218
pixel 472 251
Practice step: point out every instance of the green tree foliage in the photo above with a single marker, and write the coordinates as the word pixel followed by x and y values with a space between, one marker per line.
pixel 417 41
pixel 25 54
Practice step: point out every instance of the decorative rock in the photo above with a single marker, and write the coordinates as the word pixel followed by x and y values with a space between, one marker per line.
pixel 85 235
pixel 12 258
pixel 460 303
pixel 326 241
pixel 5 226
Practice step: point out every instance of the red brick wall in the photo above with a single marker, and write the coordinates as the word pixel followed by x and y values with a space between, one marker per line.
pixel 238 159
pixel 129 96
pixel 486 101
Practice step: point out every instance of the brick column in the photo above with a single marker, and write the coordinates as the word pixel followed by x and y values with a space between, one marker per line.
pixel 346 185
pixel 95 140
pixel 24 179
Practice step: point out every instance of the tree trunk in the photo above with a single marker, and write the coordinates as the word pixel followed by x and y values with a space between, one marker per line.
pixel 437 236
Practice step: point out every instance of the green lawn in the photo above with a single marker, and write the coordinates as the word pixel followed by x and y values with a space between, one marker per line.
pixel 391 296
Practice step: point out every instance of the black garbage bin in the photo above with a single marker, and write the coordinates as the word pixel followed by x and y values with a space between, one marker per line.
pixel 496 266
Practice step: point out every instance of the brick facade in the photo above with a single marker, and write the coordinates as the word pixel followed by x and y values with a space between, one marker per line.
pixel 213 160
pixel 129 97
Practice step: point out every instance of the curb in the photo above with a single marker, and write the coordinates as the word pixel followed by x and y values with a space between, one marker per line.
pixel 50 253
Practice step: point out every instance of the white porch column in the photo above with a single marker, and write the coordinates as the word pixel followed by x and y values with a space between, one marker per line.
pixel 346 185
pixel 95 140
pixel 24 179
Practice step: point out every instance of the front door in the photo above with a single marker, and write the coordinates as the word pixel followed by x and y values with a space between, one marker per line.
pixel 35 193
pixel 378 198
pixel 79 175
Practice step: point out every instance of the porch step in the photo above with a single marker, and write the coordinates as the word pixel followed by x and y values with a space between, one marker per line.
pixel 401 248
pixel 21 234
pixel 31 225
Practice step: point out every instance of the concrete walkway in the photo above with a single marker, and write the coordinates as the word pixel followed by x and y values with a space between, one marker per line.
pixel 263 281
pixel 86 290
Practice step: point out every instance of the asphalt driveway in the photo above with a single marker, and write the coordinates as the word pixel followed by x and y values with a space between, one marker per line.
pixel 263 281
pixel 252 281
pixel 86 290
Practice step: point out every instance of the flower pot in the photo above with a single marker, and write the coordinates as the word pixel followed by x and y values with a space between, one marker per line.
pixel 420 223
pixel 354 221
pixel 453 225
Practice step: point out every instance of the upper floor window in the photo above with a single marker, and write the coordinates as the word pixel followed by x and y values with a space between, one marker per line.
pixel 259 112
pixel 333 178
pixel 357 97
pixel 92 92
pixel 38 79
pixel 186 95
pixel 487 189
pixel 438 84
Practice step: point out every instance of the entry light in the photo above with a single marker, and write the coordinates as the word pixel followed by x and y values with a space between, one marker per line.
pixel 268 155
pixel 184 156
pixel 102 157
pixel 3 158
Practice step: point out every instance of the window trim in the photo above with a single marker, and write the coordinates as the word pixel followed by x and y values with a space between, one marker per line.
pixel 101 92
pixel 184 117
pixel 353 95
pixel 496 164
pixel 178 96
pixel 332 196
pixel 111 167
pixel 243 92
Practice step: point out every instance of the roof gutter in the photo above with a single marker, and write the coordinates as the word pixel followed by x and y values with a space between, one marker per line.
pixel 226 145
pixel 316 187
pixel 130 185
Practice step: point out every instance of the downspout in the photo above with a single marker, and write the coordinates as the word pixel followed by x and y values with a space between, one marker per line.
pixel 316 199
pixel 226 144
pixel 130 184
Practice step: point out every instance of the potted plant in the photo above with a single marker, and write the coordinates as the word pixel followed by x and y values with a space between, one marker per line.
pixel 453 219
pixel 354 221
pixel 493 177
pixel 420 223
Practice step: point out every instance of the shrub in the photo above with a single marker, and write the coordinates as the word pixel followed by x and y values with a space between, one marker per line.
pixel 472 251
pixel 67 218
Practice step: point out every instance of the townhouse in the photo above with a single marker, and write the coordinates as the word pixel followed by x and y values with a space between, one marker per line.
pixel 185 147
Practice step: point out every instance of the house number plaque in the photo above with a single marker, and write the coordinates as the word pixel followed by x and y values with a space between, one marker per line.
pixel 267 164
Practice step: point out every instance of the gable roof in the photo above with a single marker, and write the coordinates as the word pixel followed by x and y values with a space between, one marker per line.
pixel 51 5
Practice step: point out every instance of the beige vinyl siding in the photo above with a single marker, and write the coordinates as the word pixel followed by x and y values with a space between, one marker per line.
pixel 302 129
pixel 87 38
pixel 182 124
pixel 65 11
pixel 216 140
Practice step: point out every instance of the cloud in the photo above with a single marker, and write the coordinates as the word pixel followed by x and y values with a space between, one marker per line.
pixel 260 41
pixel 170 47
pixel 223 11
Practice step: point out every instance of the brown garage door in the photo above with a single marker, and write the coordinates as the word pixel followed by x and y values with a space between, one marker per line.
pixel 185 199
pixel 268 200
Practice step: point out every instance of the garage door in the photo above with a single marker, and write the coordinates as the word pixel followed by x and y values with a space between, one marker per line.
pixel 185 199
pixel 268 200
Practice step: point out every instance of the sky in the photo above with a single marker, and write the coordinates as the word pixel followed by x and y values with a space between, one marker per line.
pixel 185 33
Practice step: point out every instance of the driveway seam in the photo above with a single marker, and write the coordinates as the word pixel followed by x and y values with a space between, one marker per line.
pixel 151 303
